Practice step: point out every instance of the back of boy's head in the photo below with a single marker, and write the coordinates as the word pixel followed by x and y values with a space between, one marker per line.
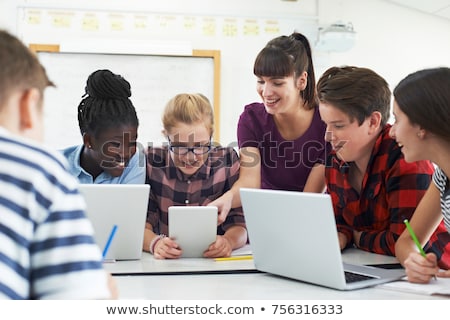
pixel 106 104
pixel 357 92
pixel 19 68
pixel 188 108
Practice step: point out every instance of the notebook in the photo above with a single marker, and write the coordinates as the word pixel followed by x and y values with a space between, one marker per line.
pixel 293 234
pixel 193 227
pixel 124 205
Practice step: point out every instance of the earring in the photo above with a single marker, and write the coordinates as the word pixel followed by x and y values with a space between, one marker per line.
pixel 89 146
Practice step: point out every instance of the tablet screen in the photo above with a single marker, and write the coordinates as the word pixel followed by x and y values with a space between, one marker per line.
pixel 194 228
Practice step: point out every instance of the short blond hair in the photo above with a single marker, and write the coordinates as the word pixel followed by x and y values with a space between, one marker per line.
pixel 188 108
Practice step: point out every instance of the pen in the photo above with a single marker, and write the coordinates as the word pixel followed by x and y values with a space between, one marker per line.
pixel 108 243
pixel 416 241
pixel 244 257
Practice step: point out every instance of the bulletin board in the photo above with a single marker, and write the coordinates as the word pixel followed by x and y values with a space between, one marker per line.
pixel 154 79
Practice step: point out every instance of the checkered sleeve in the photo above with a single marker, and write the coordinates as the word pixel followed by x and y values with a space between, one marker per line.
pixel 405 184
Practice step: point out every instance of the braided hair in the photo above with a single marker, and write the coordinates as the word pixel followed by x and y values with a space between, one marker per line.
pixel 106 103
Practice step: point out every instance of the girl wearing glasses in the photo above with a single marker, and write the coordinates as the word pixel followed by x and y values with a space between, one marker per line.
pixel 108 125
pixel 189 170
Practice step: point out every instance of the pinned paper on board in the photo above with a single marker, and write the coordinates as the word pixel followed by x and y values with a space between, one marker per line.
pixel 272 27
pixel 230 27
pixel 251 27
pixel 116 22
pixel 34 17
pixel 140 22
pixel 189 23
pixel 61 20
pixel 54 22
pixel 90 22
pixel 209 27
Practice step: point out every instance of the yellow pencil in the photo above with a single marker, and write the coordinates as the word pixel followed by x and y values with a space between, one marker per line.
pixel 244 257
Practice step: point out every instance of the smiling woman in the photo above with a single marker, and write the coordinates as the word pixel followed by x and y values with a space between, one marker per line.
pixel 108 124
pixel 281 138
pixel 421 109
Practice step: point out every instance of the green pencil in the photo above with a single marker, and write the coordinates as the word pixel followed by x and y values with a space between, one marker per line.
pixel 413 236
pixel 416 241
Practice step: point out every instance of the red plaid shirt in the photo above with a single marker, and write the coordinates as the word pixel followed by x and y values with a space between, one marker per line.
pixel 170 187
pixel 391 189
pixel 439 244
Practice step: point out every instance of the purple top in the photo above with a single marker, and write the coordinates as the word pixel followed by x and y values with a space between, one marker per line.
pixel 285 164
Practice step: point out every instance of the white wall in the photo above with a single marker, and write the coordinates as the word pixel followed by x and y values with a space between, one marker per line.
pixel 392 40
pixel 8 15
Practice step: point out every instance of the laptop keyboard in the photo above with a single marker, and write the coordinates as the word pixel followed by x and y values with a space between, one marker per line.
pixel 355 277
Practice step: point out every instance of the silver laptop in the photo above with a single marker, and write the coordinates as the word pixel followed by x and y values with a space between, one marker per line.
pixel 294 235
pixel 124 205
pixel 193 227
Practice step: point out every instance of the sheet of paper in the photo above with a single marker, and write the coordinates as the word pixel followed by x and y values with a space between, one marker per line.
pixel 245 250
pixel 440 286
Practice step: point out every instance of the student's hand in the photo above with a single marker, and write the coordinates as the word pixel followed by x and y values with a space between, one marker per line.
pixel 167 248
pixel 443 274
pixel 223 204
pixel 220 248
pixel 342 240
pixel 356 237
pixel 420 269
pixel 112 285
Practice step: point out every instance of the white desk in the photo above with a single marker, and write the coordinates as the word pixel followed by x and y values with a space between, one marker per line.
pixel 150 266
pixel 233 286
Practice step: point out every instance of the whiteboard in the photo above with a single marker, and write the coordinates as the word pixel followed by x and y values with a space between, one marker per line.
pixel 154 79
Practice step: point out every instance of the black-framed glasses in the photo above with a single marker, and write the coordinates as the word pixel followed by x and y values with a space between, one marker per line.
pixel 182 150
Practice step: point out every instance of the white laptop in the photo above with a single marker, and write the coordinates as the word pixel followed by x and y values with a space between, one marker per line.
pixel 193 227
pixel 294 235
pixel 124 205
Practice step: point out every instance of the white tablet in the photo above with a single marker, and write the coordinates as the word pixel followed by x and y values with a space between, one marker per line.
pixel 193 227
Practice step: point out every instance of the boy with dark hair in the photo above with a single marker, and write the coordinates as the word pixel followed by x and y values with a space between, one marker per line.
pixel 372 187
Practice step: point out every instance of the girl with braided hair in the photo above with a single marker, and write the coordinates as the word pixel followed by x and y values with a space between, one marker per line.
pixel 108 124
